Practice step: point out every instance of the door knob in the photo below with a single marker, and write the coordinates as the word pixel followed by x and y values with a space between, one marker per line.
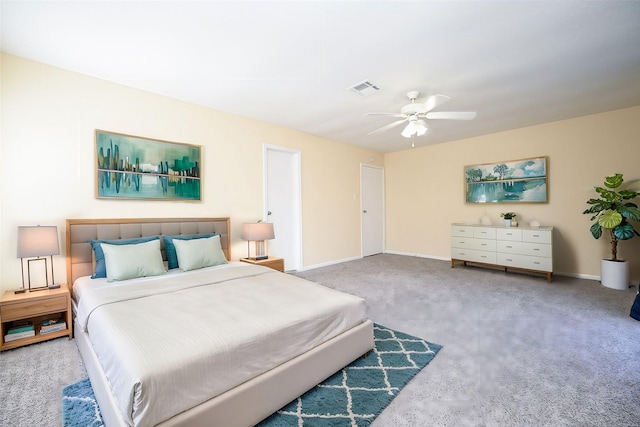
pixel 364 211
pixel 268 212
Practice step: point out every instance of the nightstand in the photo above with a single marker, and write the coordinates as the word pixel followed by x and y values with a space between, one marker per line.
pixel 271 262
pixel 35 306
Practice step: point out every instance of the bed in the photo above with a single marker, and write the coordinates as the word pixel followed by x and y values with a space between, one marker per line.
pixel 260 339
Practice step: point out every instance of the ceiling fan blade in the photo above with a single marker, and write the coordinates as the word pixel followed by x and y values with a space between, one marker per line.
pixel 435 100
pixel 452 115
pixel 385 114
pixel 389 126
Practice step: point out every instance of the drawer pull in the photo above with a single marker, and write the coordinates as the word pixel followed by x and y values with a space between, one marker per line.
pixel 536 262
pixel 509 259
pixel 536 235
pixel 510 247
pixel 483 256
pixel 483 244
pixel 536 249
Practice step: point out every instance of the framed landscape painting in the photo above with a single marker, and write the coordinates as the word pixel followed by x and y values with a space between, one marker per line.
pixel 132 167
pixel 515 181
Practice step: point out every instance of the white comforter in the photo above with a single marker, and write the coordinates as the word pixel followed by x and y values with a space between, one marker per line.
pixel 171 343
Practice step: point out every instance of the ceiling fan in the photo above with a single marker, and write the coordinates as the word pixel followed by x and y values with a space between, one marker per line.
pixel 416 112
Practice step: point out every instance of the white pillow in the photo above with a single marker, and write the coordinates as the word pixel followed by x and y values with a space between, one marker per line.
pixel 131 261
pixel 199 253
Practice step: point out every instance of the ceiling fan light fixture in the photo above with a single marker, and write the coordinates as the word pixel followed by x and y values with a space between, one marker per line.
pixel 409 130
pixel 415 127
pixel 421 127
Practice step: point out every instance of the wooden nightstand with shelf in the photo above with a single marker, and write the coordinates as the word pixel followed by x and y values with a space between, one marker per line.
pixel 35 306
pixel 271 262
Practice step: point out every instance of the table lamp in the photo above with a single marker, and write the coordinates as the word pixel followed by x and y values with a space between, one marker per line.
pixel 37 243
pixel 257 233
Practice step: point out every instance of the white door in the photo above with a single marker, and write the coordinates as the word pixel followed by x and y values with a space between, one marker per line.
pixel 372 204
pixel 282 204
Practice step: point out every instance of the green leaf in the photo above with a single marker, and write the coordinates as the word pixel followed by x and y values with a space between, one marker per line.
pixel 609 195
pixel 613 181
pixel 596 230
pixel 610 219
pixel 628 194
pixel 630 212
pixel 624 231
pixel 597 206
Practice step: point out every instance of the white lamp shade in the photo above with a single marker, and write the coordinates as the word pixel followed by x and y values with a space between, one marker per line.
pixel 421 127
pixel 409 130
pixel 36 241
pixel 415 127
pixel 257 231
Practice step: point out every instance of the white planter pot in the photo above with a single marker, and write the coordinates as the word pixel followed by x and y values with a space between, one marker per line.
pixel 507 223
pixel 614 274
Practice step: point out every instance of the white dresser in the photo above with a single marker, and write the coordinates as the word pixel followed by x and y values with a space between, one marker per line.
pixel 524 248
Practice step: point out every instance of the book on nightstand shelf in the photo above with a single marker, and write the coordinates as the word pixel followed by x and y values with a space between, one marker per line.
pixel 20 327
pixel 18 335
pixel 53 325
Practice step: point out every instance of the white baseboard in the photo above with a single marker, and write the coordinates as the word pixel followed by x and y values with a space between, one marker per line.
pixel 577 275
pixel 418 255
pixel 326 264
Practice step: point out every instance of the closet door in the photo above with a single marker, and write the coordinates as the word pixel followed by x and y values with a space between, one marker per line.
pixel 372 209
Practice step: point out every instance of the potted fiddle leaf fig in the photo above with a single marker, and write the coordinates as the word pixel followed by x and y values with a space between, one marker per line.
pixel 615 212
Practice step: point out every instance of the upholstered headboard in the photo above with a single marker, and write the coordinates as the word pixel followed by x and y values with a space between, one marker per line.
pixel 80 231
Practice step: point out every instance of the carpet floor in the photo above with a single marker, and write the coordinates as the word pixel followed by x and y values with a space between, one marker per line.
pixel 353 397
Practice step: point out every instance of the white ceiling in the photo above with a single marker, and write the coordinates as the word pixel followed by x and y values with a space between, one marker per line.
pixel 290 63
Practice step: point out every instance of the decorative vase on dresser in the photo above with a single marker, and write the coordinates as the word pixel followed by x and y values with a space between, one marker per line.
pixel 523 248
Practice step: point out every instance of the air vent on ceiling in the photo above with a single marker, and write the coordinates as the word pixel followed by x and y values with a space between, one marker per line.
pixel 364 88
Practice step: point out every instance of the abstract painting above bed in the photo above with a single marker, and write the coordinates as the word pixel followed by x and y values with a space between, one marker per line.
pixel 132 167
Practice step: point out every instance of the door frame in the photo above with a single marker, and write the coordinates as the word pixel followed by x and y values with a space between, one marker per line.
pixel 384 243
pixel 296 179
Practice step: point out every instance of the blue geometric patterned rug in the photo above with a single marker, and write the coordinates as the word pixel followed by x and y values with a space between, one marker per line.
pixel 353 397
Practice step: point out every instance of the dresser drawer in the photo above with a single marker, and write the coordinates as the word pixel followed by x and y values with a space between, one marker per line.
pixel 477 244
pixel 512 234
pixel 525 261
pixel 462 230
pixel 484 233
pixel 32 307
pixel 536 236
pixel 524 248
pixel 473 255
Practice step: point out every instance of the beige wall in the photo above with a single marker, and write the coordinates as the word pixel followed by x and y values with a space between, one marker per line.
pixel 425 187
pixel 47 172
